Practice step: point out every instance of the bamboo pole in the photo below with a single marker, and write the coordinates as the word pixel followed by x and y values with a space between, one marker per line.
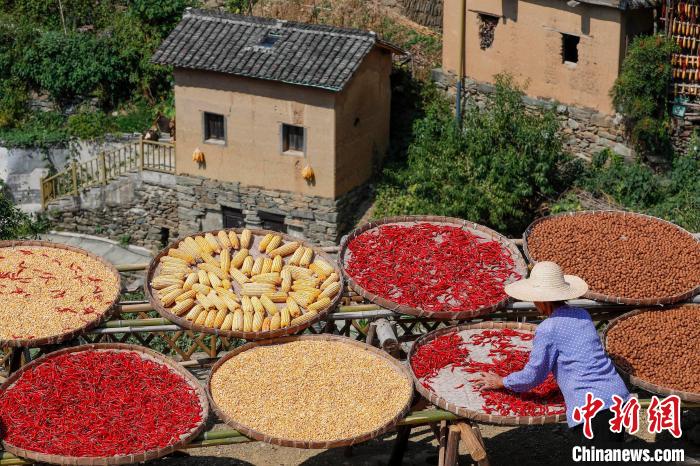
pixel 74 176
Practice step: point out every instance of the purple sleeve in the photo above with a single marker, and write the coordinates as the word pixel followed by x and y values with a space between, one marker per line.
pixel 538 366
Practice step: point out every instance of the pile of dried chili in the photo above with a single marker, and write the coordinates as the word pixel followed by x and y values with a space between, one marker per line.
pixel 432 267
pixel 98 404
pixel 441 352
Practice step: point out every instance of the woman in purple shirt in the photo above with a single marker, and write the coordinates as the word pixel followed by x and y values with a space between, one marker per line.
pixel 567 345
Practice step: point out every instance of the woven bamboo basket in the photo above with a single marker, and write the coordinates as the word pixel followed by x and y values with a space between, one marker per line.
pixel 478 416
pixel 76 332
pixel 114 460
pixel 639 382
pixel 257 236
pixel 260 436
pixel 608 298
pixel 475 228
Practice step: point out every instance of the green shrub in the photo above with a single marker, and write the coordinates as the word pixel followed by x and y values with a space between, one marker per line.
pixel 13 102
pixel 14 223
pixel 39 129
pixel 90 125
pixel 631 184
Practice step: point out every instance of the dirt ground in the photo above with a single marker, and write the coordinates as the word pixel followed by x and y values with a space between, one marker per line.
pixel 521 446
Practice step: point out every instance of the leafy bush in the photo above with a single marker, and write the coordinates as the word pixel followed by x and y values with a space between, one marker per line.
pixel 13 222
pixel 13 102
pixel 39 129
pixel 641 94
pixel 90 125
pixel 630 184
pixel 496 169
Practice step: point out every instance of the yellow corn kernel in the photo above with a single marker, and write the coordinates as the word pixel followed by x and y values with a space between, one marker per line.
pixel 170 269
pixel 275 321
pixel 307 317
pixel 303 287
pixel 220 316
pixel 169 298
pixel 257 305
pixel 163 282
pixel 227 324
pixel 277 264
pixel 163 291
pixel 285 319
pixel 294 309
pixel 180 254
pixel 258 319
pixel 191 279
pixel 191 246
pixel 265 241
pixel 257 266
pixel 285 249
pixel 247 304
pixel 302 298
pixel 182 307
pixel 203 245
pixel 214 280
pixel 209 259
pixel 325 266
pixel 215 269
pixel 213 243
pixel 266 325
pixel 222 237
pixel 286 275
pixel 318 271
pixel 238 258
pixel 226 292
pixel 186 295
pixel 296 257
pixel 202 317
pixel 306 257
pixel 231 304
pixel 274 244
pixel 237 324
pixel 267 265
pixel 211 318
pixel 201 288
pixel 271 277
pixel 330 291
pixel 204 301
pixel 329 281
pixel 320 304
pixel 247 267
pixel 248 321
pixel 268 305
pixel 216 301
pixel 173 260
pixel 226 284
pixel 257 289
pixel 203 277
pixel 277 296
pixel 239 276
pixel 194 312
pixel 246 237
pixel 233 238
pixel 300 273
pixel 225 259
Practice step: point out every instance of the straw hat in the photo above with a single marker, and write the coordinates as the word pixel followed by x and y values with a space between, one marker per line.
pixel 547 282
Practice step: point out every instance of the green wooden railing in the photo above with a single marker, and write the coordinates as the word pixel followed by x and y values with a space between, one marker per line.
pixel 135 156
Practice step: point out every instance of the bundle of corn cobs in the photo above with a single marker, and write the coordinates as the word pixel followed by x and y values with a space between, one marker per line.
pixel 245 283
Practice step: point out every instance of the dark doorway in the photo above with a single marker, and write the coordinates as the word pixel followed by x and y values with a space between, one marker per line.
pixel 274 222
pixel 233 218
pixel 164 236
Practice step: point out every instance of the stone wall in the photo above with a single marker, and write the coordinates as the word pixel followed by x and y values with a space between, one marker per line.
pixel 586 132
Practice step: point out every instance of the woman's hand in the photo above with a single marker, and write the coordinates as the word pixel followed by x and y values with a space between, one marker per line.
pixel 489 381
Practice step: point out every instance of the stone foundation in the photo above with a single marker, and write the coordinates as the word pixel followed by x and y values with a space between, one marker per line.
pixel 586 132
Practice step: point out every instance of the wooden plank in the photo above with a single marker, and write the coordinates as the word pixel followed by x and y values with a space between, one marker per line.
pixel 473 443
pixel 442 443
pixel 452 446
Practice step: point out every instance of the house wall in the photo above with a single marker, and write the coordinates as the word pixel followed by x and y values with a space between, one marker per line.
pixel 528 43
pixel 363 114
pixel 254 111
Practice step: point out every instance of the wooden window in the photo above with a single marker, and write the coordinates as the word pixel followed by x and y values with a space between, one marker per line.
pixel 293 138
pixel 214 127
pixel 233 218
pixel 569 48
pixel 274 222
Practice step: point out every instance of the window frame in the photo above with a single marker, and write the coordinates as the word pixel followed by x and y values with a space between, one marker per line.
pixel 268 218
pixel 283 140
pixel 218 142
pixel 232 213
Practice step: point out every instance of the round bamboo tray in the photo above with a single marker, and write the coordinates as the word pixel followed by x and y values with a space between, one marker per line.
pixel 478 416
pixel 260 436
pixel 475 228
pixel 76 332
pixel 609 298
pixel 639 382
pixel 154 268
pixel 114 460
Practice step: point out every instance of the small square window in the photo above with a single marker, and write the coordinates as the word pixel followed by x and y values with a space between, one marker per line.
pixel 271 221
pixel 293 138
pixel 214 127
pixel 232 218
pixel 569 48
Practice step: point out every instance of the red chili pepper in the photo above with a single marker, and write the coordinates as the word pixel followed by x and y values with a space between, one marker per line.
pixel 26 252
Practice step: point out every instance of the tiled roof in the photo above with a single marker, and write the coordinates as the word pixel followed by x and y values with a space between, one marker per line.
pixel 623 4
pixel 305 54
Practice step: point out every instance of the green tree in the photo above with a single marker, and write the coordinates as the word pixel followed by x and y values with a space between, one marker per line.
pixel 13 222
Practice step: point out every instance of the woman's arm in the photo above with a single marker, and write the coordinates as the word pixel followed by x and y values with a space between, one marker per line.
pixel 538 366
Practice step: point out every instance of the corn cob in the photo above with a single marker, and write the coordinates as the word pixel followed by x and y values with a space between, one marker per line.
pixel 226 292
pixel 320 304
pixel 306 257
pixel 264 242
pixel 222 237
pixel 217 301
pixel 203 277
pixel 271 277
pixel 203 245
pixel 220 316
pixel 169 298
pixel 247 267
pixel 277 296
pixel 246 237
pixel 274 244
pixel 294 309
pixel 163 282
pixel 173 261
pixel 214 280
pixel 296 257
pixel 237 324
pixel 239 276
pixel 191 279
pixel 211 239
pixel 233 238
pixel 170 269
pixel 266 325
pixel 304 288
pixel 277 264
pixel 226 284
pixel 330 291
pixel 267 265
pixel 162 292
pixel 237 259
pixel 182 307
pixel 267 304
pixel 231 304
pixel 247 304
pixel 328 281
pixel 211 318
pixel 186 295
pixel 310 282
pixel 194 312
pixel 325 266
pixel 258 318
pixel 202 317
pixel 309 316
pixel 209 259
pixel 284 318
pixel 302 298
pixel 248 321
pixel 191 246
pixel 227 323
pixel 275 321
pixel 180 254
pixel 225 259
pixel 257 289
pixel 318 271
pixel 201 288
pixel 257 266
pixel 300 273
pixel 257 305
pixel 285 249
pixel 215 269
pixel 204 301
pixel 286 275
